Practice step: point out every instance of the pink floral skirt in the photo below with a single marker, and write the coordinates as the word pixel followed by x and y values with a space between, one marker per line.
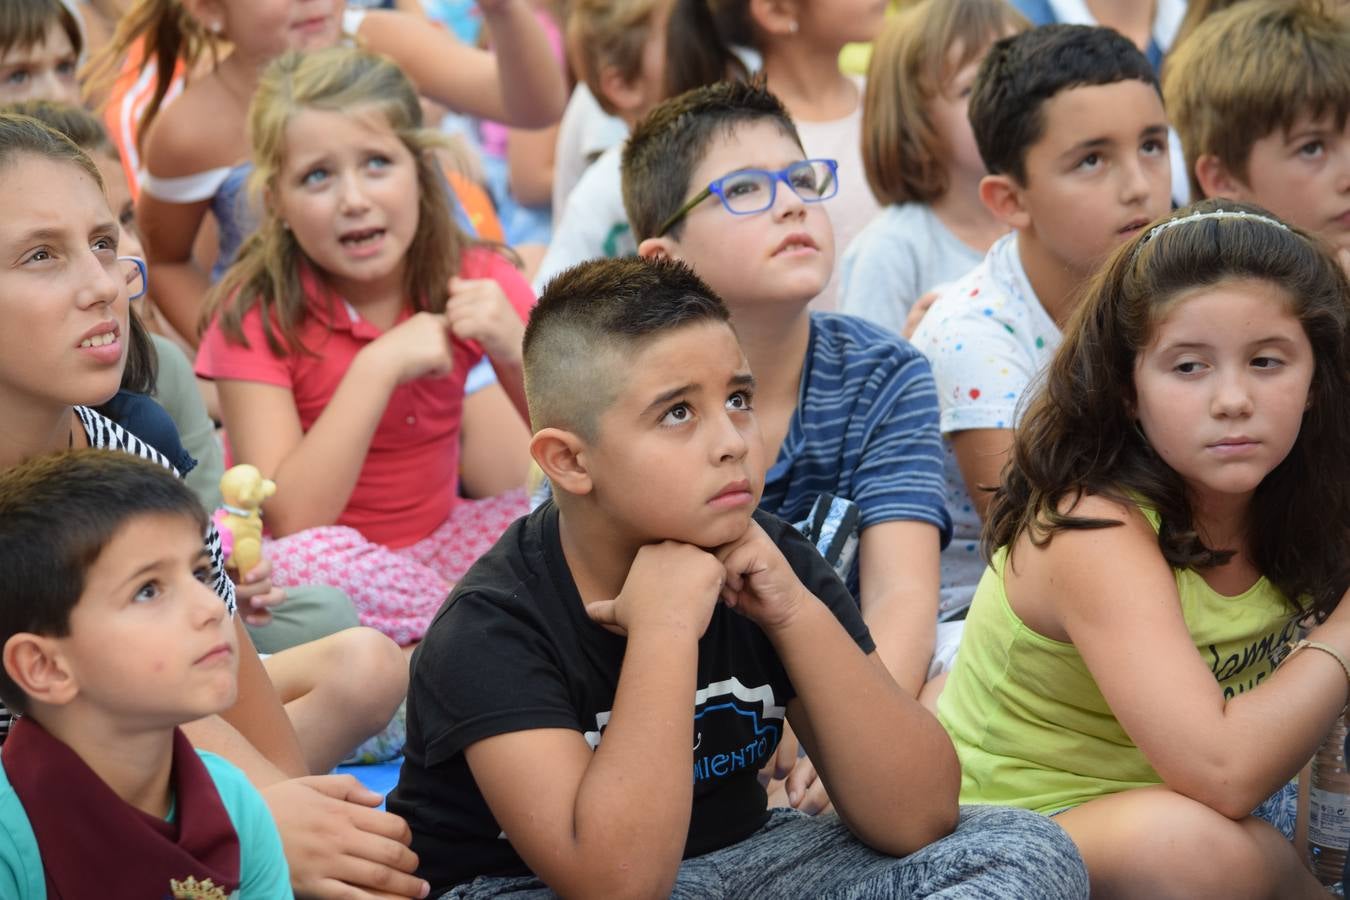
pixel 396 591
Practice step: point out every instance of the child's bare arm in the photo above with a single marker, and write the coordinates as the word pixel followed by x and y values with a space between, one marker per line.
pixel 898 575
pixel 318 469
pixel 888 765
pixel 519 84
pixel 980 454
pixel 170 230
pixel 182 142
pixel 478 310
pixel 613 823
pixel 1114 597
pixel 530 158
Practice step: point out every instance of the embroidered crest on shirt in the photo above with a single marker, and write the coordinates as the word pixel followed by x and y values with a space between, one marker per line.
pixel 192 889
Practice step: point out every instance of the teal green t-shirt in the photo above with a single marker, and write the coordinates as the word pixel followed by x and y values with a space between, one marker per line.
pixel 263 874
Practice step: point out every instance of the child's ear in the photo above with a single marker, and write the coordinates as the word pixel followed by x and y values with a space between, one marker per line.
pixel 210 14
pixel 622 94
pixel 658 248
pixel 775 17
pixel 561 454
pixel 37 665
pixel 1217 181
pixel 1002 196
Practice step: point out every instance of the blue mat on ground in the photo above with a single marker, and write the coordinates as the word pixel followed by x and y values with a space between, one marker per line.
pixel 380 778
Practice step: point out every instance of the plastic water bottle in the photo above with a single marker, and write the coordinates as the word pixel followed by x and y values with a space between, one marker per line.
pixel 1329 806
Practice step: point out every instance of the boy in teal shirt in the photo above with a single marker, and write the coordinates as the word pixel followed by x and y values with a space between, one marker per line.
pixel 112 637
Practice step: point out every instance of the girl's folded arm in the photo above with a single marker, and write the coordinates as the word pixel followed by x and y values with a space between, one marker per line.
pixel 1116 599
pixel 315 471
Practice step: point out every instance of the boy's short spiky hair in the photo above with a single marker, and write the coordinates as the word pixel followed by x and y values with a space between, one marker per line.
pixel 1251 69
pixel 24 23
pixel 590 319
pixel 1021 73
pixel 57 514
pixel 665 147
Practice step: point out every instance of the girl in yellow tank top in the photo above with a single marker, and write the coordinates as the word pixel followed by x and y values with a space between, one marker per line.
pixel 1178 498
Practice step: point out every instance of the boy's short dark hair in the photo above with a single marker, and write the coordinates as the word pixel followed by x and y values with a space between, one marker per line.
pixel 57 514
pixel 24 23
pixel 665 147
pixel 589 319
pixel 1022 72
pixel 1251 69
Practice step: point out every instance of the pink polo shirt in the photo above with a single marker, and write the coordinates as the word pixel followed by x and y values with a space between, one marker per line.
pixel 408 483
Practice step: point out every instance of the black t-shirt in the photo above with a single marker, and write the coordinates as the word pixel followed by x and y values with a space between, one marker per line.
pixel 513 650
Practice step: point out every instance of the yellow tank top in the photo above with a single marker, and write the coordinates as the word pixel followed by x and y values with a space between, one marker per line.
pixel 1029 724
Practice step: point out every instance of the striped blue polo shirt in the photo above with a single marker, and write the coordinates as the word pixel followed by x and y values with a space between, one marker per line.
pixel 865 429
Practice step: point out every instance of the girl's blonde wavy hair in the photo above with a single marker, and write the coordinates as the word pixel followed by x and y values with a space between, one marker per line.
pixel 267 271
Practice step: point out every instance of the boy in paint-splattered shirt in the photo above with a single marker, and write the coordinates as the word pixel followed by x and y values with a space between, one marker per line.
pixel 1070 124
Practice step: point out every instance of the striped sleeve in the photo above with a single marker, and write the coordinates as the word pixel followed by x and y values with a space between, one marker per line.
pixel 865 428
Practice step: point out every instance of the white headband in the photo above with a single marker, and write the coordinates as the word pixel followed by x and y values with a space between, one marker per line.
pixel 1197 216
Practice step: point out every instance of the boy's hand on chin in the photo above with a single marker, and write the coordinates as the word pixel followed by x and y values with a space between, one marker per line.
pixel 671 588
pixel 759 582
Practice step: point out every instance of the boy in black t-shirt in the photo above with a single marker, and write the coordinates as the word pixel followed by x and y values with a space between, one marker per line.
pixel 589 711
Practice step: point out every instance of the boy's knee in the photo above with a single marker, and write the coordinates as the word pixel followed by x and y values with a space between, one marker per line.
pixel 1029 848
pixel 367 671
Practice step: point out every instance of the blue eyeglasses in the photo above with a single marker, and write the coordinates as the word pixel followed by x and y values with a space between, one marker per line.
pixel 138 280
pixel 748 191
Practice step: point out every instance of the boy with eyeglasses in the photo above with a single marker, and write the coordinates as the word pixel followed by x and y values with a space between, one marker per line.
pixel 588 711
pixel 717 178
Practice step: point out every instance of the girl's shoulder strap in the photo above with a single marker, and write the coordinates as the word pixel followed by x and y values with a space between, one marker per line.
pixel 1150 513
pixel 192 188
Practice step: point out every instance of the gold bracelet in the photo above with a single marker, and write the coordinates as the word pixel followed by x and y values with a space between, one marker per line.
pixel 1325 648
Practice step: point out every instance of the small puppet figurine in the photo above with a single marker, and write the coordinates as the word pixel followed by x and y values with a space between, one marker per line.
pixel 242 491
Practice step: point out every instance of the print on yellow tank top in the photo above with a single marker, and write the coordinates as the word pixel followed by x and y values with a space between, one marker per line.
pixel 1029 724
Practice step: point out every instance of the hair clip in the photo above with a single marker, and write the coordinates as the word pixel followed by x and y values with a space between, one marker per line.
pixel 1197 216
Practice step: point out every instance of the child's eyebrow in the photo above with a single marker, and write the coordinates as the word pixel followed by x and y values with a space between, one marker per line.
pixel 1205 345
pixel 666 396
pixel 42 234
pixel 300 161
pixel 743 379
pixel 1157 129
pixel 1098 143
pixel 142 571
pixel 51 233
pixel 1305 128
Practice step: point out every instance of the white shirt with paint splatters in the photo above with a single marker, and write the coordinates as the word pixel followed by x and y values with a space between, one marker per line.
pixel 987 338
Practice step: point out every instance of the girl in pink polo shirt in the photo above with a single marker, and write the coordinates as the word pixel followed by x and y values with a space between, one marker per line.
pixel 341 338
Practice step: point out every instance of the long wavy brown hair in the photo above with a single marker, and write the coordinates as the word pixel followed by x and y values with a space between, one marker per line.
pixel 1079 435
